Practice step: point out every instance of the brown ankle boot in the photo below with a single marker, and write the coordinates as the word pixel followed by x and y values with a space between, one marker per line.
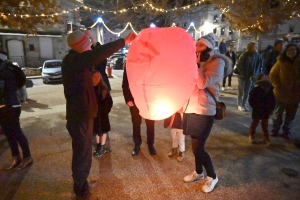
pixel 173 152
pixel 15 162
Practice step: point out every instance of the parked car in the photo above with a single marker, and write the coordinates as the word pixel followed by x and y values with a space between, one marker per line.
pixel 51 71
pixel 117 60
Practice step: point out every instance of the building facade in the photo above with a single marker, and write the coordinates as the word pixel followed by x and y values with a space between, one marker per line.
pixel 49 43
pixel 210 19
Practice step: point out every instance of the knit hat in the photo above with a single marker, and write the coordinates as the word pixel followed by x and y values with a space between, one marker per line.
pixel 277 42
pixel 257 77
pixel 208 40
pixel 78 41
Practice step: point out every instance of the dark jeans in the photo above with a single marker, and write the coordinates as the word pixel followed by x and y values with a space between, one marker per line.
pixel 136 125
pixel 264 126
pixel 81 131
pixel 10 124
pixel 203 125
pixel 290 113
pixel 229 80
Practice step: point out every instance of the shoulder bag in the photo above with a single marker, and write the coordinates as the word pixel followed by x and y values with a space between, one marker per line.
pixel 220 106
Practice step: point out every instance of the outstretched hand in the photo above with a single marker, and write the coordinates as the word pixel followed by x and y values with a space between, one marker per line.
pixel 130 37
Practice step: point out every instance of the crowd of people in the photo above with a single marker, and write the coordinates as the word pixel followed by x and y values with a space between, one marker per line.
pixel 270 84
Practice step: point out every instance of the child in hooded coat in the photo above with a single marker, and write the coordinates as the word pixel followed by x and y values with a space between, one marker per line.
pixel 262 101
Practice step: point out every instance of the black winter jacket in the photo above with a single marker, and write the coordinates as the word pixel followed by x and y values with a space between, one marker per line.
pixel 77 80
pixel 270 61
pixel 101 122
pixel 177 123
pixel 261 99
pixel 126 90
pixel 8 86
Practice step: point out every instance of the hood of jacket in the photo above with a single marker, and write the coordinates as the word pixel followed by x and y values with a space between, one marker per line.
pixel 264 84
pixel 228 63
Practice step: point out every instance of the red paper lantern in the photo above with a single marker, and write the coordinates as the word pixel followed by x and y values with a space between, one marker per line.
pixel 162 71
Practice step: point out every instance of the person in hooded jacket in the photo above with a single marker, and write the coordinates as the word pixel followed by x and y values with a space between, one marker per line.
pixel 10 111
pixel 262 102
pixel 248 64
pixel 285 78
pixel 199 113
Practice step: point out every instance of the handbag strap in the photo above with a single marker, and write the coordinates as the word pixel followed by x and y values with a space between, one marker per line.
pixel 211 94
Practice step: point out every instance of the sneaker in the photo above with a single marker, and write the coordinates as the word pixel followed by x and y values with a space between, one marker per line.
pixel 223 88
pixel 241 108
pixel 246 108
pixel 274 133
pixel 209 184
pixel 173 152
pixel 230 88
pixel 251 139
pixel 180 157
pixel 193 177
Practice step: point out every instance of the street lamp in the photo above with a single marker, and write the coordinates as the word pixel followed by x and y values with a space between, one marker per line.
pixel 100 36
pixel 152 25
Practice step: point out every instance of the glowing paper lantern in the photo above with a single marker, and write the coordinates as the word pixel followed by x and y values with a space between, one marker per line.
pixel 162 71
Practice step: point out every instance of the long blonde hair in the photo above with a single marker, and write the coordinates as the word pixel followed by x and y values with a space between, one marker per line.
pixel 101 85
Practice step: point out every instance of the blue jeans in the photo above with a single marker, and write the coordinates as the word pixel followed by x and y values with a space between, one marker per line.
pixel 290 114
pixel 243 91
pixel 199 127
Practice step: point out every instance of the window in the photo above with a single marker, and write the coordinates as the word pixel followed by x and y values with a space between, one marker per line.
pixel 223 30
pixel 230 31
pixel 223 18
pixel 216 19
pixel 55 64
pixel 215 30
pixel 31 47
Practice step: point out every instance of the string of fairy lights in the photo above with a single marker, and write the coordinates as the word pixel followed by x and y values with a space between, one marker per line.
pixel 136 7
pixel 100 20
pixel 86 7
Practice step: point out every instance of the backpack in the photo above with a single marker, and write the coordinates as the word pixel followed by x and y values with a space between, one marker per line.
pixel 18 73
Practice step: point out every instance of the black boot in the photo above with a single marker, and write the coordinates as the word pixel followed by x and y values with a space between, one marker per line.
pixel 97 149
pixel 151 149
pixel 100 152
pixel 135 150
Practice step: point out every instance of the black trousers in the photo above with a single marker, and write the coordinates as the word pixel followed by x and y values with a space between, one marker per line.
pixel 229 80
pixel 10 124
pixel 81 131
pixel 136 125
pixel 199 127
